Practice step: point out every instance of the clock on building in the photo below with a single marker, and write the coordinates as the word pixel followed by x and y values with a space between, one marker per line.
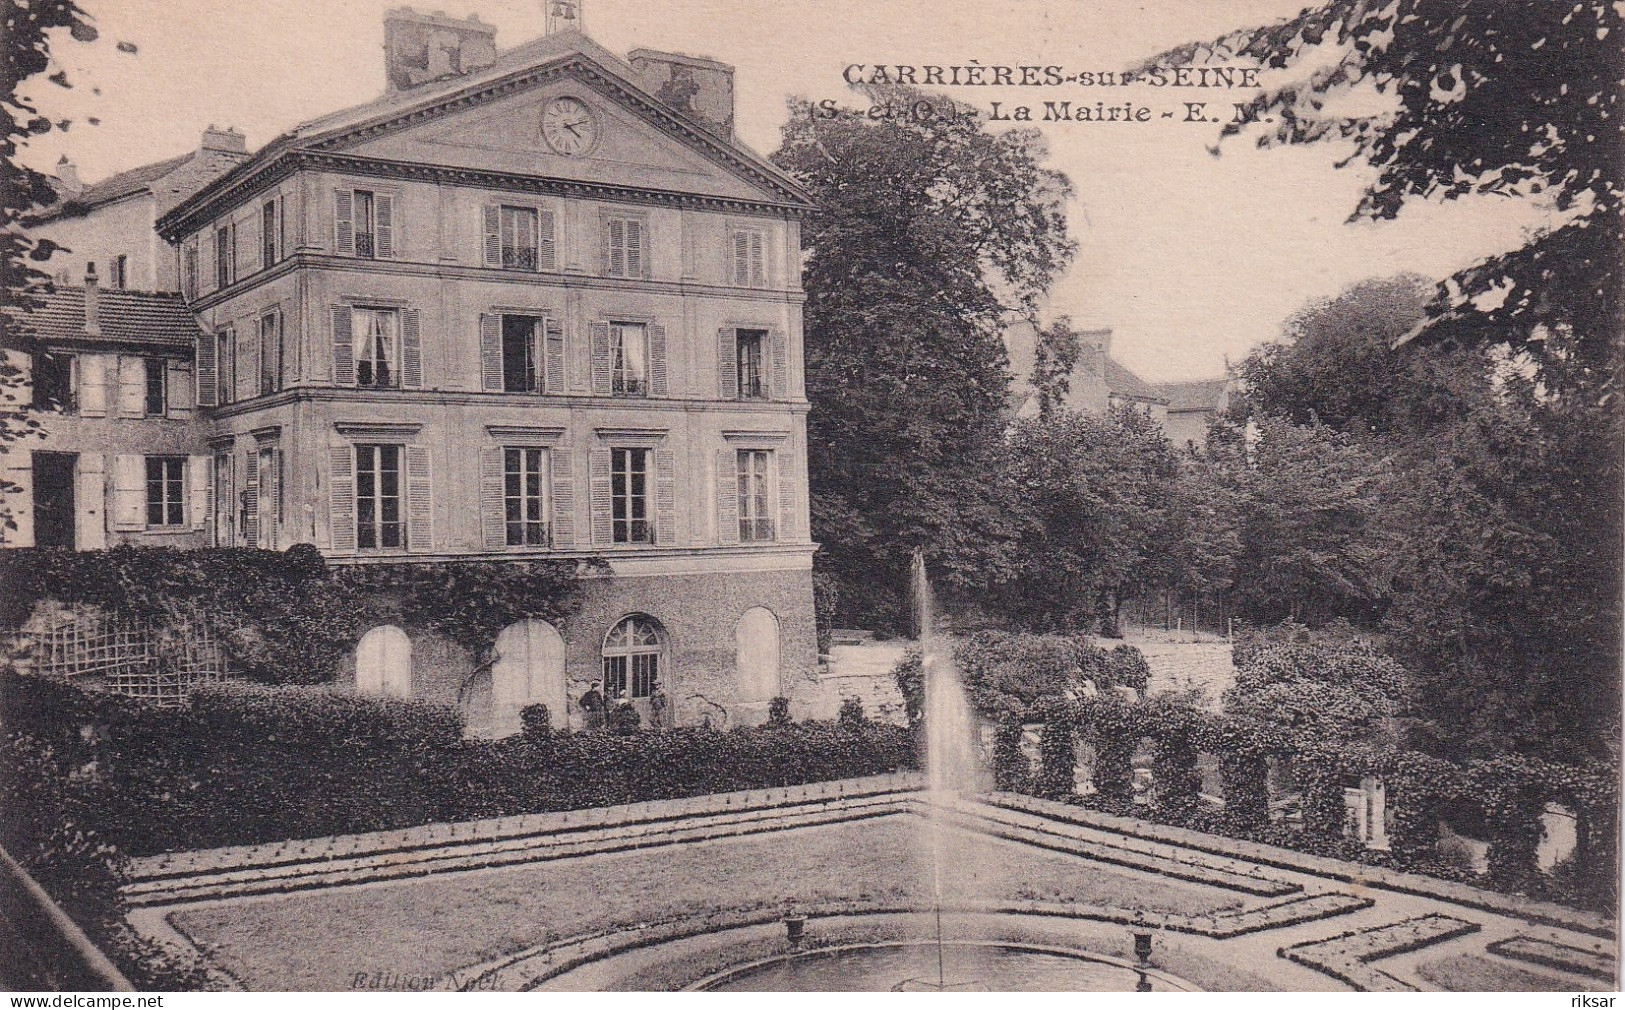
pixel 568 126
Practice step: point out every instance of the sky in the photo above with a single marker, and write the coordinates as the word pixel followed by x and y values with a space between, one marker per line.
pixel 1190 259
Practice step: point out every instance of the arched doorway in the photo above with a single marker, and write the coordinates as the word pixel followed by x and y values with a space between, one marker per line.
pixel 756 655
pixel 529 670
pixel 383 663
pixel 636 662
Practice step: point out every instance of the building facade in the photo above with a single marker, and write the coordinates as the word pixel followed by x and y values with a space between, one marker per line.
pixel 534 303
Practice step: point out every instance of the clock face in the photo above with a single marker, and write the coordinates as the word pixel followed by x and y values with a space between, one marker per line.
pixel 568 126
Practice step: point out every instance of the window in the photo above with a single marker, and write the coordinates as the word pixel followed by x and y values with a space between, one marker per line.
pixel 189 271
pixel 225 359
pixel 378 524
pixel 524 473
pixel 629 359
pixel 377 345
pixel 157 387
pixel 52 381
pixel 521 358
pixel 268 235
pixel 755 521
pixel 225 526
pixel 225 256
pixel 752 343
pixel 119 276
pixel 749 259
pixel 166 486
pixel 633 650
pixel 519 238
pixel 270 378
pixel 366 220
pixel 625 247
pixel 629 497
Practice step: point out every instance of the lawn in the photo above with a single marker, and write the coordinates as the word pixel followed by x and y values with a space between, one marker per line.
pixel 1470 973
pixel 322 940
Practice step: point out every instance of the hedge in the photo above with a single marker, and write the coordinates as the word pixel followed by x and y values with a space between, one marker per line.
pixel 244 764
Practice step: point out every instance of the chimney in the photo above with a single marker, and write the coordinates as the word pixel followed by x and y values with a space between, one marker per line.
pixel 419 48
pixel 1095 346
pixel 67 173
pixel 227 140
pixel 93 308
pixel 701 89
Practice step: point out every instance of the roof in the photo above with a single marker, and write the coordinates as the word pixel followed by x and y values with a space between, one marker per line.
pixel 1123 382
pixel 328 132
pixel 171 181
pixel 158 320
pixel 126 183
pixel 1204 394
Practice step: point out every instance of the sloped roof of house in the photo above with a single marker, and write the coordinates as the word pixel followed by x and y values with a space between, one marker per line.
pixel 157 320
pixel 1123 382
pixel 126 183
pixel 1204 394
pixel 171 181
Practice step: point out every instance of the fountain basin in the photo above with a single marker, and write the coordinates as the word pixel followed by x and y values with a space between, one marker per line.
pixel 967 965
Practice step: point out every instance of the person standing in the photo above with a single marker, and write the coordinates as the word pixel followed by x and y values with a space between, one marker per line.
pixel 592 708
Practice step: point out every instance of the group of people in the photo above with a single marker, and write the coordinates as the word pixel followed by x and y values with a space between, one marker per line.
pixel 619 715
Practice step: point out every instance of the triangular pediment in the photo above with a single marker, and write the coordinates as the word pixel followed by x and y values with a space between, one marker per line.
pixel 496 126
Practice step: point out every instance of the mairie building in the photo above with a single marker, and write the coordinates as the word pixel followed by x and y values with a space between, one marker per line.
pixel 530 303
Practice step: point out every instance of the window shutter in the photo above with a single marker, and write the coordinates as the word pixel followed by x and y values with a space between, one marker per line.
pixel 281 228
pixel 727 496
pixel 204 369
pixel 343 222
pixel 553 357
pixel 546 245
pixel 411 349
pixel 657 360
pixel 92 385
pixel 493 236
pixel 665 497
pixel 600 359
pixel 270 501
pixel 384 226
pixel 561 463
pixel 419 501
pixel 493 507
pixel 248 358
pixel 132 386
pixel 598 492
pixel 198 490
pixel 341 499
pixel 251 498
pixel 210 534
pixel 225 495
pixel 637 253
pixel 343 347
pixel 789 525
pixel 779 348
pixel 728 363
pixel 741 261
pixel 491 352
pixel 178 387
pixel 129 492
pixel 758 261
pixel 610 251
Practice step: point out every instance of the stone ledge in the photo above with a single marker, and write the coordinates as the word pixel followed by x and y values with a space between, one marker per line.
pixel 1529 909
pixel 1549 954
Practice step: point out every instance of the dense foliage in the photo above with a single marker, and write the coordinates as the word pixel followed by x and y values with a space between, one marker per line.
pixel 287 618
pixel 930 234
pixel 247 763
pixel 1018 675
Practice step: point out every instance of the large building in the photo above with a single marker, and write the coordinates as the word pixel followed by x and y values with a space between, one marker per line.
pixel 533 303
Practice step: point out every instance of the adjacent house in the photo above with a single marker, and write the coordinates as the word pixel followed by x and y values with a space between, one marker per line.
pixel 529 303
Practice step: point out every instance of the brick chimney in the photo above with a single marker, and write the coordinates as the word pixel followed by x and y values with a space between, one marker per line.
pixel 93 306
pixel 701 89
pixel 67 173
pixel 419 48
pixel 227 141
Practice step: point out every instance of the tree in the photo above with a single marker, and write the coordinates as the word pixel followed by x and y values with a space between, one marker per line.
pixel 930 233
pixel 1055 355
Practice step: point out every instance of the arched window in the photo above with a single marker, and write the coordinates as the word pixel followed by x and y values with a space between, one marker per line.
pixel 529 670
pixel 634 657
pixel 383 663
pixel 756 654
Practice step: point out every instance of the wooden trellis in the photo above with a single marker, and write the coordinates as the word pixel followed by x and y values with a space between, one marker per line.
pixel 156 663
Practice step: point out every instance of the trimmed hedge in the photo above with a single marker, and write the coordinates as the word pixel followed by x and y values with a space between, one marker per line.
pixel 244 764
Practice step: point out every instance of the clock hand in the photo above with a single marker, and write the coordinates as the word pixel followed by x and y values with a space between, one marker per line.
pixel 572 128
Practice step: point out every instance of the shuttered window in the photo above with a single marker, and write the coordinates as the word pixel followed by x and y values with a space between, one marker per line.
pixel 752 347
pixel 189 270
pixel 225 256
pixel 225 365
pixel 376 333
pixel 524 479
pixel 629 496
pixel 626 252
pixel 270 377
pixel 755 516
pixel 629 359
pixel 166 490
pixel 270 229
pixel 157 391
pixel 749 259
pixel 364 224
pixel 378 519
pixel 521 354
